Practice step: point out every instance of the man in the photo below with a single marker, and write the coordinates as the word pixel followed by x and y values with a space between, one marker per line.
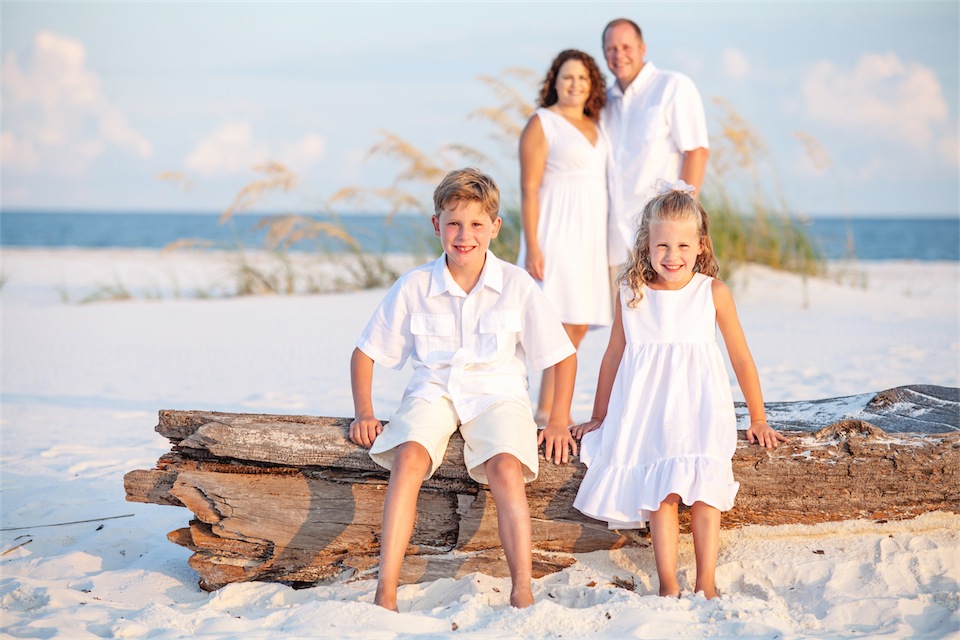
pixel 657 129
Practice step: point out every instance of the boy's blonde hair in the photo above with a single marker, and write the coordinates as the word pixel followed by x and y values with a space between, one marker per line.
pixel 468 184
pixel 674 205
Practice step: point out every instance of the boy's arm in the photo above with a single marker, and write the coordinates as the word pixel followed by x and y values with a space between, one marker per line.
pixel 557 434
pixel 365 427
pixel 744 367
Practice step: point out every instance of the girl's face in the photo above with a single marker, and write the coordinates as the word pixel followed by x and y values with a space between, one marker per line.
pixel 572 84
pixel 674 247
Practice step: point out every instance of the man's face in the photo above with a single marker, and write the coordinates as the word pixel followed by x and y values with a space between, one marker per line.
pixel 624 51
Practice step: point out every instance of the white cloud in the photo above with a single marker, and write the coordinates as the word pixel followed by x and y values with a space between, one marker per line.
pixel 306 151
pixel 228 150
pixel 735 64
pixel 232 149
pixel 881 96
pixel 54 105
pixel 17 153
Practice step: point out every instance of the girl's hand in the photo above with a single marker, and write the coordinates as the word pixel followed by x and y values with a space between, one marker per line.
pixel 579 430
pixel 764 435
pixel 364 430
pixel 558 442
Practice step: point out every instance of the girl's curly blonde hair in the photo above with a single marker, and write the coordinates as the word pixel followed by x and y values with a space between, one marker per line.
pixel 674 205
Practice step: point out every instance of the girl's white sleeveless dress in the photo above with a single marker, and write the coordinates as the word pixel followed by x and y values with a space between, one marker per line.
pixel 670 424
pixel 572 228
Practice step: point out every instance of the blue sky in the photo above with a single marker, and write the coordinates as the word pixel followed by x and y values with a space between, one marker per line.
pixel 100 98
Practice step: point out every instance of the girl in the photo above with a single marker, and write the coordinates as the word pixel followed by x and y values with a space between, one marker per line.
pixel 663 428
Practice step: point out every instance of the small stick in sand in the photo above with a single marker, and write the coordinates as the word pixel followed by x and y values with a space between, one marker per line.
pixel 60 524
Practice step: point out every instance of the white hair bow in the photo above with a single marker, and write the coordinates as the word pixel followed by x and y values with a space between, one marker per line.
pixel 665 186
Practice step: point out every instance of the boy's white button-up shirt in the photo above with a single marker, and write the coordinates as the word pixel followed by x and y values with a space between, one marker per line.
pixel 649 127
pixel 467 347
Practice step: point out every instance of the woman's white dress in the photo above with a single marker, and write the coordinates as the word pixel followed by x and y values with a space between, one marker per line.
pixel 670 424
pixel 572 228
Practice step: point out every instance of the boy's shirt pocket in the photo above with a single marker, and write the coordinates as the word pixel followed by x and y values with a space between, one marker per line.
pixel 434 336
pixel 499 334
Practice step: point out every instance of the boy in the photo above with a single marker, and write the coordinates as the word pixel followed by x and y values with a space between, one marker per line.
pixel 466 320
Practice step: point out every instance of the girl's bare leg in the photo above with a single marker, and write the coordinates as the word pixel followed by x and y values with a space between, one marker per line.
pixel 575 332
pixel 665 534
pixel 705 524
pixel 399 515
pixel 505 476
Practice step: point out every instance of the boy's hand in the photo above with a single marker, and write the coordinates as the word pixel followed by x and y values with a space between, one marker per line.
pixel 764 435
pixel 364 430
pixel 579 430
pixel 558 439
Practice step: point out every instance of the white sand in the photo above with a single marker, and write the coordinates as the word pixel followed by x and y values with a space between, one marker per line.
pixel 82 384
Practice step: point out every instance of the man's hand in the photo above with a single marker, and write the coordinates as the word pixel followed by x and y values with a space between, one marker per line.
pixel 364 430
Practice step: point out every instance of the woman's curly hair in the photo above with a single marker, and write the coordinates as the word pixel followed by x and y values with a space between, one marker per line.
pixel 674 205
pixel 598 86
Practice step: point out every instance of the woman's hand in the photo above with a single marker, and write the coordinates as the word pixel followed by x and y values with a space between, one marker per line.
pixel 764 435
pixel 579 430
pixel 534 263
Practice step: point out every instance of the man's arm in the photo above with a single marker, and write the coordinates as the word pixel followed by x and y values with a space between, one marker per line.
pixel 694 167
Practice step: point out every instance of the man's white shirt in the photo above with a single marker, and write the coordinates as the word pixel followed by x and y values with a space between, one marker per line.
pixel 649 127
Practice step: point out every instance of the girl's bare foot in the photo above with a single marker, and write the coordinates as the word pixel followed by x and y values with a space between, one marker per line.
pixel 521 597
pixel 709 593
pixel 669 589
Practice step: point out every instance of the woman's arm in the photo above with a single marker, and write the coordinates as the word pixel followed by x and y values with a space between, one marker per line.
pixel 743 367
pixel 533 163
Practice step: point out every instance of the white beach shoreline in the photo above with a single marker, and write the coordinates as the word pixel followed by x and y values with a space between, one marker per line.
pixel 82 384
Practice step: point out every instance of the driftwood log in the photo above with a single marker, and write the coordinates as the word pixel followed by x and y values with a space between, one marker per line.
pixel 289 498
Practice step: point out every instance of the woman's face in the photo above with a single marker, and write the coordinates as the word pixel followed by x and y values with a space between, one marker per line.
pixel 573 84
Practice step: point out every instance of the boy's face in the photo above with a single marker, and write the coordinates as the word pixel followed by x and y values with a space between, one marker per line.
pixel 465 231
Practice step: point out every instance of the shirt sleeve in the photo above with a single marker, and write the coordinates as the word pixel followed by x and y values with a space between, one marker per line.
pixel 542 336
pixel 688 120
pixel 387 338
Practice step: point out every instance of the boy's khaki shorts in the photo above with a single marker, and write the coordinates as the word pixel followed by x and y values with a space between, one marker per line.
pixel 504 427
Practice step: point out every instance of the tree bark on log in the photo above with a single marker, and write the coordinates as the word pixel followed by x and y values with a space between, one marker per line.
pixel 290 498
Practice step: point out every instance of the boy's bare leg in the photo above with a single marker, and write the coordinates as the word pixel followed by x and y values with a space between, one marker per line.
pixel 665 535
pixel 399 515
pixel 505 475
pixel 705 525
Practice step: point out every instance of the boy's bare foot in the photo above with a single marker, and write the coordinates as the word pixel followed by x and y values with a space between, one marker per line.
pixel 387 601
pixel 521 597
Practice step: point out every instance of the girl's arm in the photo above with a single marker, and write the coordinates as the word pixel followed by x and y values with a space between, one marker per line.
pixel 608 372
pixel 744 367
pixel 533 162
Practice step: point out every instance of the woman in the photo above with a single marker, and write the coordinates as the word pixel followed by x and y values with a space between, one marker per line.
pixel 563 157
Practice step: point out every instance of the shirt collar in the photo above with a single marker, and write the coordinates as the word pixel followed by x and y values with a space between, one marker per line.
pixel 441 281
pixel 645 72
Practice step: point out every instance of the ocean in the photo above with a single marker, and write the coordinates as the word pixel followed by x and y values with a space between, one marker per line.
pixel 873 238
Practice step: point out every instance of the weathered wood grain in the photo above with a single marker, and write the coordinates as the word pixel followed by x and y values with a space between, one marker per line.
pixel 290 498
